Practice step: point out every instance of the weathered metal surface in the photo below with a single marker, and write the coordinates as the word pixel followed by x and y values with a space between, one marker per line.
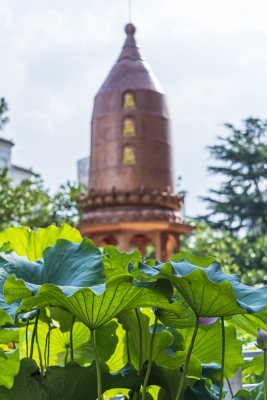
pixel 144 158
pixel 131 198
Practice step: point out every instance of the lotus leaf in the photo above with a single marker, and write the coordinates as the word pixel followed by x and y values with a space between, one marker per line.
pixel 209 291
pixel 116 262
pixel 255 366
pixel 69 265
pixel 59 349
pixel 29 243
pixel 254 394
pixel 97 305
pixel 165 354
pixel 66 383
pixel 9 367
pixel 199 391
pixel 207 348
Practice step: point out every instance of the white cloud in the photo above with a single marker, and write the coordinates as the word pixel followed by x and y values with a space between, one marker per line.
pixel 210 57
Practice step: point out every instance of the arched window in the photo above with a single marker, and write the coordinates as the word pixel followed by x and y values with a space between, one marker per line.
pixel 128 101
pixel 128 127
pixel 143 244
pixel 109 240
pixel 128 155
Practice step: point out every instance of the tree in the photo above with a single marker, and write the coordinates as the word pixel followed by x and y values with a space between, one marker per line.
pixel 3 109
pixel 237 255
pixel 31 205
pixel 239 205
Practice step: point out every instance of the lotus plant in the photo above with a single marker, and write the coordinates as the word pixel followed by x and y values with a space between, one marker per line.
pixel 262 344
pixel 88 324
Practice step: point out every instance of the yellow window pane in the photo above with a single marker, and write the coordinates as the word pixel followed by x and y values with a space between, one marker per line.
pixel 128 155
pixel 128 127
pixel 128 101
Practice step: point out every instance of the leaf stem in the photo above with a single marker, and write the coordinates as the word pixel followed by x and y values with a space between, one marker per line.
pixel 45 350
pixel 230 387
pixel 26 336
pixel 128 348
pixel 40 355
pixel 140 341
pixel 265 373
pixel 34 332
pixel 71 338
pixel 97 364
pixel 223 356
pixel 48 345
pixel 66 356
pixel 180 390
pixel 150 358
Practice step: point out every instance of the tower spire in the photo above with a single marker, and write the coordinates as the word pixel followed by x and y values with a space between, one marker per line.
pixel 131 199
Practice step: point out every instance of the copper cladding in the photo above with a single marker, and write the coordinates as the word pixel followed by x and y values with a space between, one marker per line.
pixel 151 145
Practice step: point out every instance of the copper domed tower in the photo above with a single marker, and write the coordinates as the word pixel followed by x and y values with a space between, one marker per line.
pixel 131 200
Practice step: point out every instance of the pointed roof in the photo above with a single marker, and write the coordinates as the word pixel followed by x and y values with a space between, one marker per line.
pixel 131 71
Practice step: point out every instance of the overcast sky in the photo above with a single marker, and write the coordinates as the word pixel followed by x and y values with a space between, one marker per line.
pixel 210 57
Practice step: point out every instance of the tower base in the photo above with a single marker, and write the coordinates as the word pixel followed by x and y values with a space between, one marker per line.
pixel 138 235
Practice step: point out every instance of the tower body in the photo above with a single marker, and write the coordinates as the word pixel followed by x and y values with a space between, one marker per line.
pixel 131 200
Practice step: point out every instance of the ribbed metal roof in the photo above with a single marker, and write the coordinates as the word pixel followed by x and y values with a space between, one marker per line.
pixel 131 71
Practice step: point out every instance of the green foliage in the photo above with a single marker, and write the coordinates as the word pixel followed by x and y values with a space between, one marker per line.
pixel 9 367
pixel 254 394
pixel 3 110
pixel 240 202
pixel 243 256
pixel 209 291
pixel 30 204
pixel 32 244
pixel 77 323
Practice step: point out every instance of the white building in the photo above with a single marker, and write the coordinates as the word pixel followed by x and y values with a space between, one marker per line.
pixel 83 166
pixel 16 172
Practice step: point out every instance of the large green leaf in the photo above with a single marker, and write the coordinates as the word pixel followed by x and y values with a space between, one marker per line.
pixel 9 335
pixel 5 319
pixel 97 305
pixel 255 366
pixel 25 385
pixel 29 243
pixel 167 349
pixel 59 349
pixel 254 394
pixel 186 320
pixel 80 382
pixel 68 265
pixel 203 262
pixel 68 383
pixel 9 367
pixel 199 391
pixel 209 291
pixel 116 262
pixel 168 379
pixel 119 357
pixel 249 324
pixel 208 347
pixel 63 318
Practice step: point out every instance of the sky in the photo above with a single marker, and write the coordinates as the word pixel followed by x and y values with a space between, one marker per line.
pixel 210 57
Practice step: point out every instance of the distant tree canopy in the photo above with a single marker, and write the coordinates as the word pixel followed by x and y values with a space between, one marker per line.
pixel 240 203
pixel 3 110
pixel 234 230
pixel 29 204
pixel 242 256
